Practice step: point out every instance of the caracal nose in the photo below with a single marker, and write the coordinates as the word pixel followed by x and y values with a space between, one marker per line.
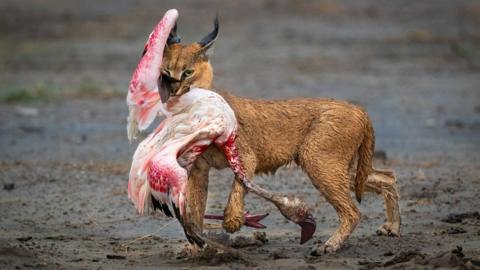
pixel 174 87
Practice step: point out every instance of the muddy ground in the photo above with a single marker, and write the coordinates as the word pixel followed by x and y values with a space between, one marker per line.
pixel 64 155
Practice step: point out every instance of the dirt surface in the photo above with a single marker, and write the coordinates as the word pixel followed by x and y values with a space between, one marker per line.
pixel 64 155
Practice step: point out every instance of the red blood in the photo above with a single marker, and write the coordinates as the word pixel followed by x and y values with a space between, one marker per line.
pixel 231 153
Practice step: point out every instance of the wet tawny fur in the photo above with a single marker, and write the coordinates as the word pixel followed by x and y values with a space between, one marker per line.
pixel 332 141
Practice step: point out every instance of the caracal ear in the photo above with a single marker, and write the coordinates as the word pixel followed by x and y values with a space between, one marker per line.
pixel 173 37
pixel 209 39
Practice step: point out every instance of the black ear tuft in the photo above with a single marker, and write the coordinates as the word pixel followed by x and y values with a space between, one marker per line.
pixel 173 37
pixel 209 39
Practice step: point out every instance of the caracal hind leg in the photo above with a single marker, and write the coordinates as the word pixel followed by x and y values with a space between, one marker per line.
pixel 330 177
pixel 384 182
pixel 325 156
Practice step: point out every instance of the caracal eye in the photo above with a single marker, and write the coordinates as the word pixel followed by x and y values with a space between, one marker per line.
pixel 187 73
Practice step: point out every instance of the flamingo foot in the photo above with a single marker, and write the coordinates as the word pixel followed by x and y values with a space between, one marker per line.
pixel 250 220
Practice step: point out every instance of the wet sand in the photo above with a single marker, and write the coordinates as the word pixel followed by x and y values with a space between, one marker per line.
pixel 64 159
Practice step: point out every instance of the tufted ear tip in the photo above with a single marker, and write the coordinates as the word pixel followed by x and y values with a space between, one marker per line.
pixel 173 37
pixel 209 39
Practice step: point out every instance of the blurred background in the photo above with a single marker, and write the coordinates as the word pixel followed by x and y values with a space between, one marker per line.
pixel 64 155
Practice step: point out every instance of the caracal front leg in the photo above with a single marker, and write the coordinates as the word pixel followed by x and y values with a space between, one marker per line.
pixel 235 210
pixel 197 191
